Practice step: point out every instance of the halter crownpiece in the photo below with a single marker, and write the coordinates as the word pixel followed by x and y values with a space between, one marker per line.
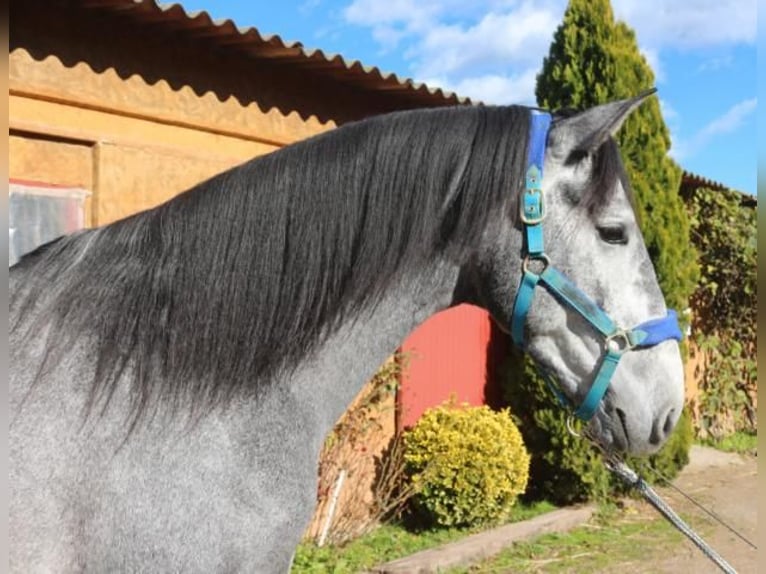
pixel 617 341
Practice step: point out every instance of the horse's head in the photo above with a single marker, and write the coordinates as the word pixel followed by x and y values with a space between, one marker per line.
pixel 591 240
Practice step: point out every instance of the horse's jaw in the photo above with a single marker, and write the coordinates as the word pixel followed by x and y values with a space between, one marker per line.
pixel 643 401
pixel 643 404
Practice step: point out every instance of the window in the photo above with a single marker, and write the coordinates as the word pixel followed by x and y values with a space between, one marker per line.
pixel 39 213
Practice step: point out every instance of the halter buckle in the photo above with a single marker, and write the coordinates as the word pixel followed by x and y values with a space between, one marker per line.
pixel 532 208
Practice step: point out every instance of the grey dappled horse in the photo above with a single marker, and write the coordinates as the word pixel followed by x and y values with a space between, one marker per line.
pixel 174 374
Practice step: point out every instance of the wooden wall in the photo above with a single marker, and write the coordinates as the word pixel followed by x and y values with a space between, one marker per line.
pixel 131 144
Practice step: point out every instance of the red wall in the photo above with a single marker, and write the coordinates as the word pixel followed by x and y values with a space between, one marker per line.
pixel 454 352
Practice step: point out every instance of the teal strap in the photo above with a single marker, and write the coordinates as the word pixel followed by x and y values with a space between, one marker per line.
pixel 534 181
pixel 636 337
pixel 590 403
pixel 535 246
pixel 567 292
pixel 524 296
pixel 532 211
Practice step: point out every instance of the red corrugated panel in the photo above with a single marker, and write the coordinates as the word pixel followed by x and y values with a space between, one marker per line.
pixel 454 352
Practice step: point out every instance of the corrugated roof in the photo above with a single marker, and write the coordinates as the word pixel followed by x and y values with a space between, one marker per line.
pixel 696 180
pixel 692 181
pixel 248 42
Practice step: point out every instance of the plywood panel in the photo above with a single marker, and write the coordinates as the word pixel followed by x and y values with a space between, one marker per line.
pixel 132 179
pixel 62 120
pixel 48 161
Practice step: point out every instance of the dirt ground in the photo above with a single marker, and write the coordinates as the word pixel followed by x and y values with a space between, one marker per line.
pixel 727 485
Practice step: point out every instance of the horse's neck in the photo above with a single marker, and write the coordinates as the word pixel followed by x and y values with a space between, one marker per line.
pixel 329 382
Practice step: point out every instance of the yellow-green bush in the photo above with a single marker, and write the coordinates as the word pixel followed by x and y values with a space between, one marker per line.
pixel 468 464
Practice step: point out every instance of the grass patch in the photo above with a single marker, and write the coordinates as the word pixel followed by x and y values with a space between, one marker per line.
pixel 614 536
pixel 390 542
pixel 740 442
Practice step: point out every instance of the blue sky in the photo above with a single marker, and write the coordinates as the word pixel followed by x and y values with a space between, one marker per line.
pixel 703 53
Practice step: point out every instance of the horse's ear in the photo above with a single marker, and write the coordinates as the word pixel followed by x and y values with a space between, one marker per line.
pixel 586 131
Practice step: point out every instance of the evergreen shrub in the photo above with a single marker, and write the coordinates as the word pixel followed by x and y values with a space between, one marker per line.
pixel 469 465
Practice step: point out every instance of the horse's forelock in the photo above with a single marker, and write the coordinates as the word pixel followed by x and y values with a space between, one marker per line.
pixel 607 178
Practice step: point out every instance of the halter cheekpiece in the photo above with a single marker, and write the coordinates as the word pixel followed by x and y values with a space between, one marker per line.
pixel 537 269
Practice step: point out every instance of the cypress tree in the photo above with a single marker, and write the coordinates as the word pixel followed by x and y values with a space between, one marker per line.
pixel 594 60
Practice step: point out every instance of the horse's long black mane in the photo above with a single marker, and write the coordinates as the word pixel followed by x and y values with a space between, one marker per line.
pixel 218 289
pixel 223 285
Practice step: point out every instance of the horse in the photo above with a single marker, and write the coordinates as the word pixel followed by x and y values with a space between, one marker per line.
pixel 173 374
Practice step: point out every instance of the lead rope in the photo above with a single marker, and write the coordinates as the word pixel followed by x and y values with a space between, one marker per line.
pixel 710 513
pixel 629 475
pixel 618 467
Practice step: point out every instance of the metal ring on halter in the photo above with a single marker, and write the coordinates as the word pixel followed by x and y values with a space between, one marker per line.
pixel 570 428
pixel 543 258
pixel 619 342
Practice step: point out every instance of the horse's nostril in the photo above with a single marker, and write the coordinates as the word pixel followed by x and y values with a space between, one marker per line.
pixel 670 422
pixel 660 433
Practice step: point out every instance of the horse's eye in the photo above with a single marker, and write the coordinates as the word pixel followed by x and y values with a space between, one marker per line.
pixel 614 234
pixel 577 156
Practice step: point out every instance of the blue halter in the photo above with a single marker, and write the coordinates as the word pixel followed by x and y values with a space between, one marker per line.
pixel 617 341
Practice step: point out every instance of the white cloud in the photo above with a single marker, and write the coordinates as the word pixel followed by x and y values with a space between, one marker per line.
pixel 411 15
pixel 731 120
pixel 673 122
pixel 689 23
pixel 499 39
pixel 489 50
pixel 498 89
pixel 728 122
pixel 308 6
pixel 387 37
pixel 492 45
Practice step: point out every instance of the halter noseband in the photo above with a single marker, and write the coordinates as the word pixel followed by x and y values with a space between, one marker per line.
pixel 617 341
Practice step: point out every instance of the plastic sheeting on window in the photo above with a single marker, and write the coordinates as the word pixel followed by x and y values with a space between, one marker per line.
pixel 38 214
